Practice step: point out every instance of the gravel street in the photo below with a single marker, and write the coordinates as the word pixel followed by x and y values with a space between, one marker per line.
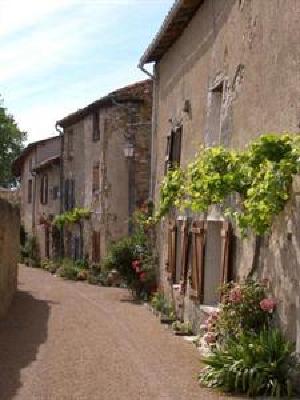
pixel 73 341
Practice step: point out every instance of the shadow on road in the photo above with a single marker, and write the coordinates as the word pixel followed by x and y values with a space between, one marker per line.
pixel 21 333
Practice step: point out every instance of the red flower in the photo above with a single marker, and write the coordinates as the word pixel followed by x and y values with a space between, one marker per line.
pixel 268 305
pixel 235 295
pixel 142 276
pixel 210 338
pixel 136 264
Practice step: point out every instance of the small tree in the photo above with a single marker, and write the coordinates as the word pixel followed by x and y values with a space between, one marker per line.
pixel 11 144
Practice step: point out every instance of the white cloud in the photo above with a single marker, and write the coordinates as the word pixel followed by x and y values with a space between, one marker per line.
pixel 59 55
pixel 16 15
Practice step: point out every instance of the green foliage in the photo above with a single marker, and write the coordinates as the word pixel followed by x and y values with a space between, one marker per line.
pixel 253 364
pixel 133 258
pixel 30 252
pixel 171 191
pixel 71 217
pixel 158 301
pixel 161 304
pixel 11 144
pixel 261 175
pixel 240 310
pixel 73 270
pixel 211 178
pixel 182 327
pixel 49 265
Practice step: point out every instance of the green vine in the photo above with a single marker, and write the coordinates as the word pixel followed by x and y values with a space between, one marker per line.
pixel 261 175
pixel 71 217
pixel 171 192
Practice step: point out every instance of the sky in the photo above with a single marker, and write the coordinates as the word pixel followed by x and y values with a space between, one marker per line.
pixel 60 55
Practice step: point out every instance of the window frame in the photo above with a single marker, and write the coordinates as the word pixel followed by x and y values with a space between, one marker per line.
pixel 96 126
pixel 29 191
pixel 44 189
pixel 173 148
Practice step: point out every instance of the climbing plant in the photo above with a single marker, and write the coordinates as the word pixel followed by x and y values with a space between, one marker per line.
pixel 71 217
pixel 261 175
pixel 171 192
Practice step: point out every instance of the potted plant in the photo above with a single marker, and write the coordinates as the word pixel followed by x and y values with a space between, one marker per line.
pixel 182 328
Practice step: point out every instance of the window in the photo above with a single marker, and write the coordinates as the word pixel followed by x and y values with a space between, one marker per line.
pixel 96 247
pixel 30 165
pixel 173 151
pixel 29 193
pixel 69 194
pixel 55 192
pixel 96 178
pixel 44 190
pixel 70 135
pixel 96 127
pixel 210 260
pixel 214 115
pixel 171 260
pixel 182 238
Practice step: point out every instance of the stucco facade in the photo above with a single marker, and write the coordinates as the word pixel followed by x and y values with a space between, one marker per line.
pixel 231 74
pixel 104 180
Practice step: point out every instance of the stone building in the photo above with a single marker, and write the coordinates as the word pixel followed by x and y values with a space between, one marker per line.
pixel 39 170
pixel 9 252
pixel 106 167
pixel 225 72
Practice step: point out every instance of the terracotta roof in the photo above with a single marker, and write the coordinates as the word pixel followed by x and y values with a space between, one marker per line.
pixel 17 164
pixel 174 24
pixel 47 162
pixel 131 93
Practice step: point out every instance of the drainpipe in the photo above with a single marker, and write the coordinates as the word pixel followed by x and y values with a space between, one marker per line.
pixel 154 124
pixel 61 183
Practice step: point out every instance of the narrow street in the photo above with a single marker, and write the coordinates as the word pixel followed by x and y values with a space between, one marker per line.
pixel 73 341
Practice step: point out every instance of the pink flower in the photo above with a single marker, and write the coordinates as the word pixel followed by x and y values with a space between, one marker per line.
pixel 235 295
pixel 214 315
pixel 210 338
pixel 136 264
pixel 142 276
pixel 268 305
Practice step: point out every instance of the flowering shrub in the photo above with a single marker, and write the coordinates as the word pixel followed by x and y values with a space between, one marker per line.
pixel 247 354
pixel 245 307
pixel 132 257
pixel 253 364
pixel 210 327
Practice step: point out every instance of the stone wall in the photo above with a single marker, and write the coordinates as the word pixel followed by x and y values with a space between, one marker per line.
pixel 247 51
pixel 12 196
pixel 123 183
pixel 9 253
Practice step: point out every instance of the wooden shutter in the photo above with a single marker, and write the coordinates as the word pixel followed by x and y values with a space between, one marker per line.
pixel 70 143
pixel 96 128
pixel 72 194
pixel 225 247
pixel 66 194
pixel 184 238
pixel 96 247
pixel 29 194
pixel 171 262
pixel 197 273
pixel 96 177
pixel 168 154
pixel 46 189
pixel 176 146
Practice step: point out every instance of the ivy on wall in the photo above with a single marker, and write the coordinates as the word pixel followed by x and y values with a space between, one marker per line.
pixel 71 217
pixel 261 175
